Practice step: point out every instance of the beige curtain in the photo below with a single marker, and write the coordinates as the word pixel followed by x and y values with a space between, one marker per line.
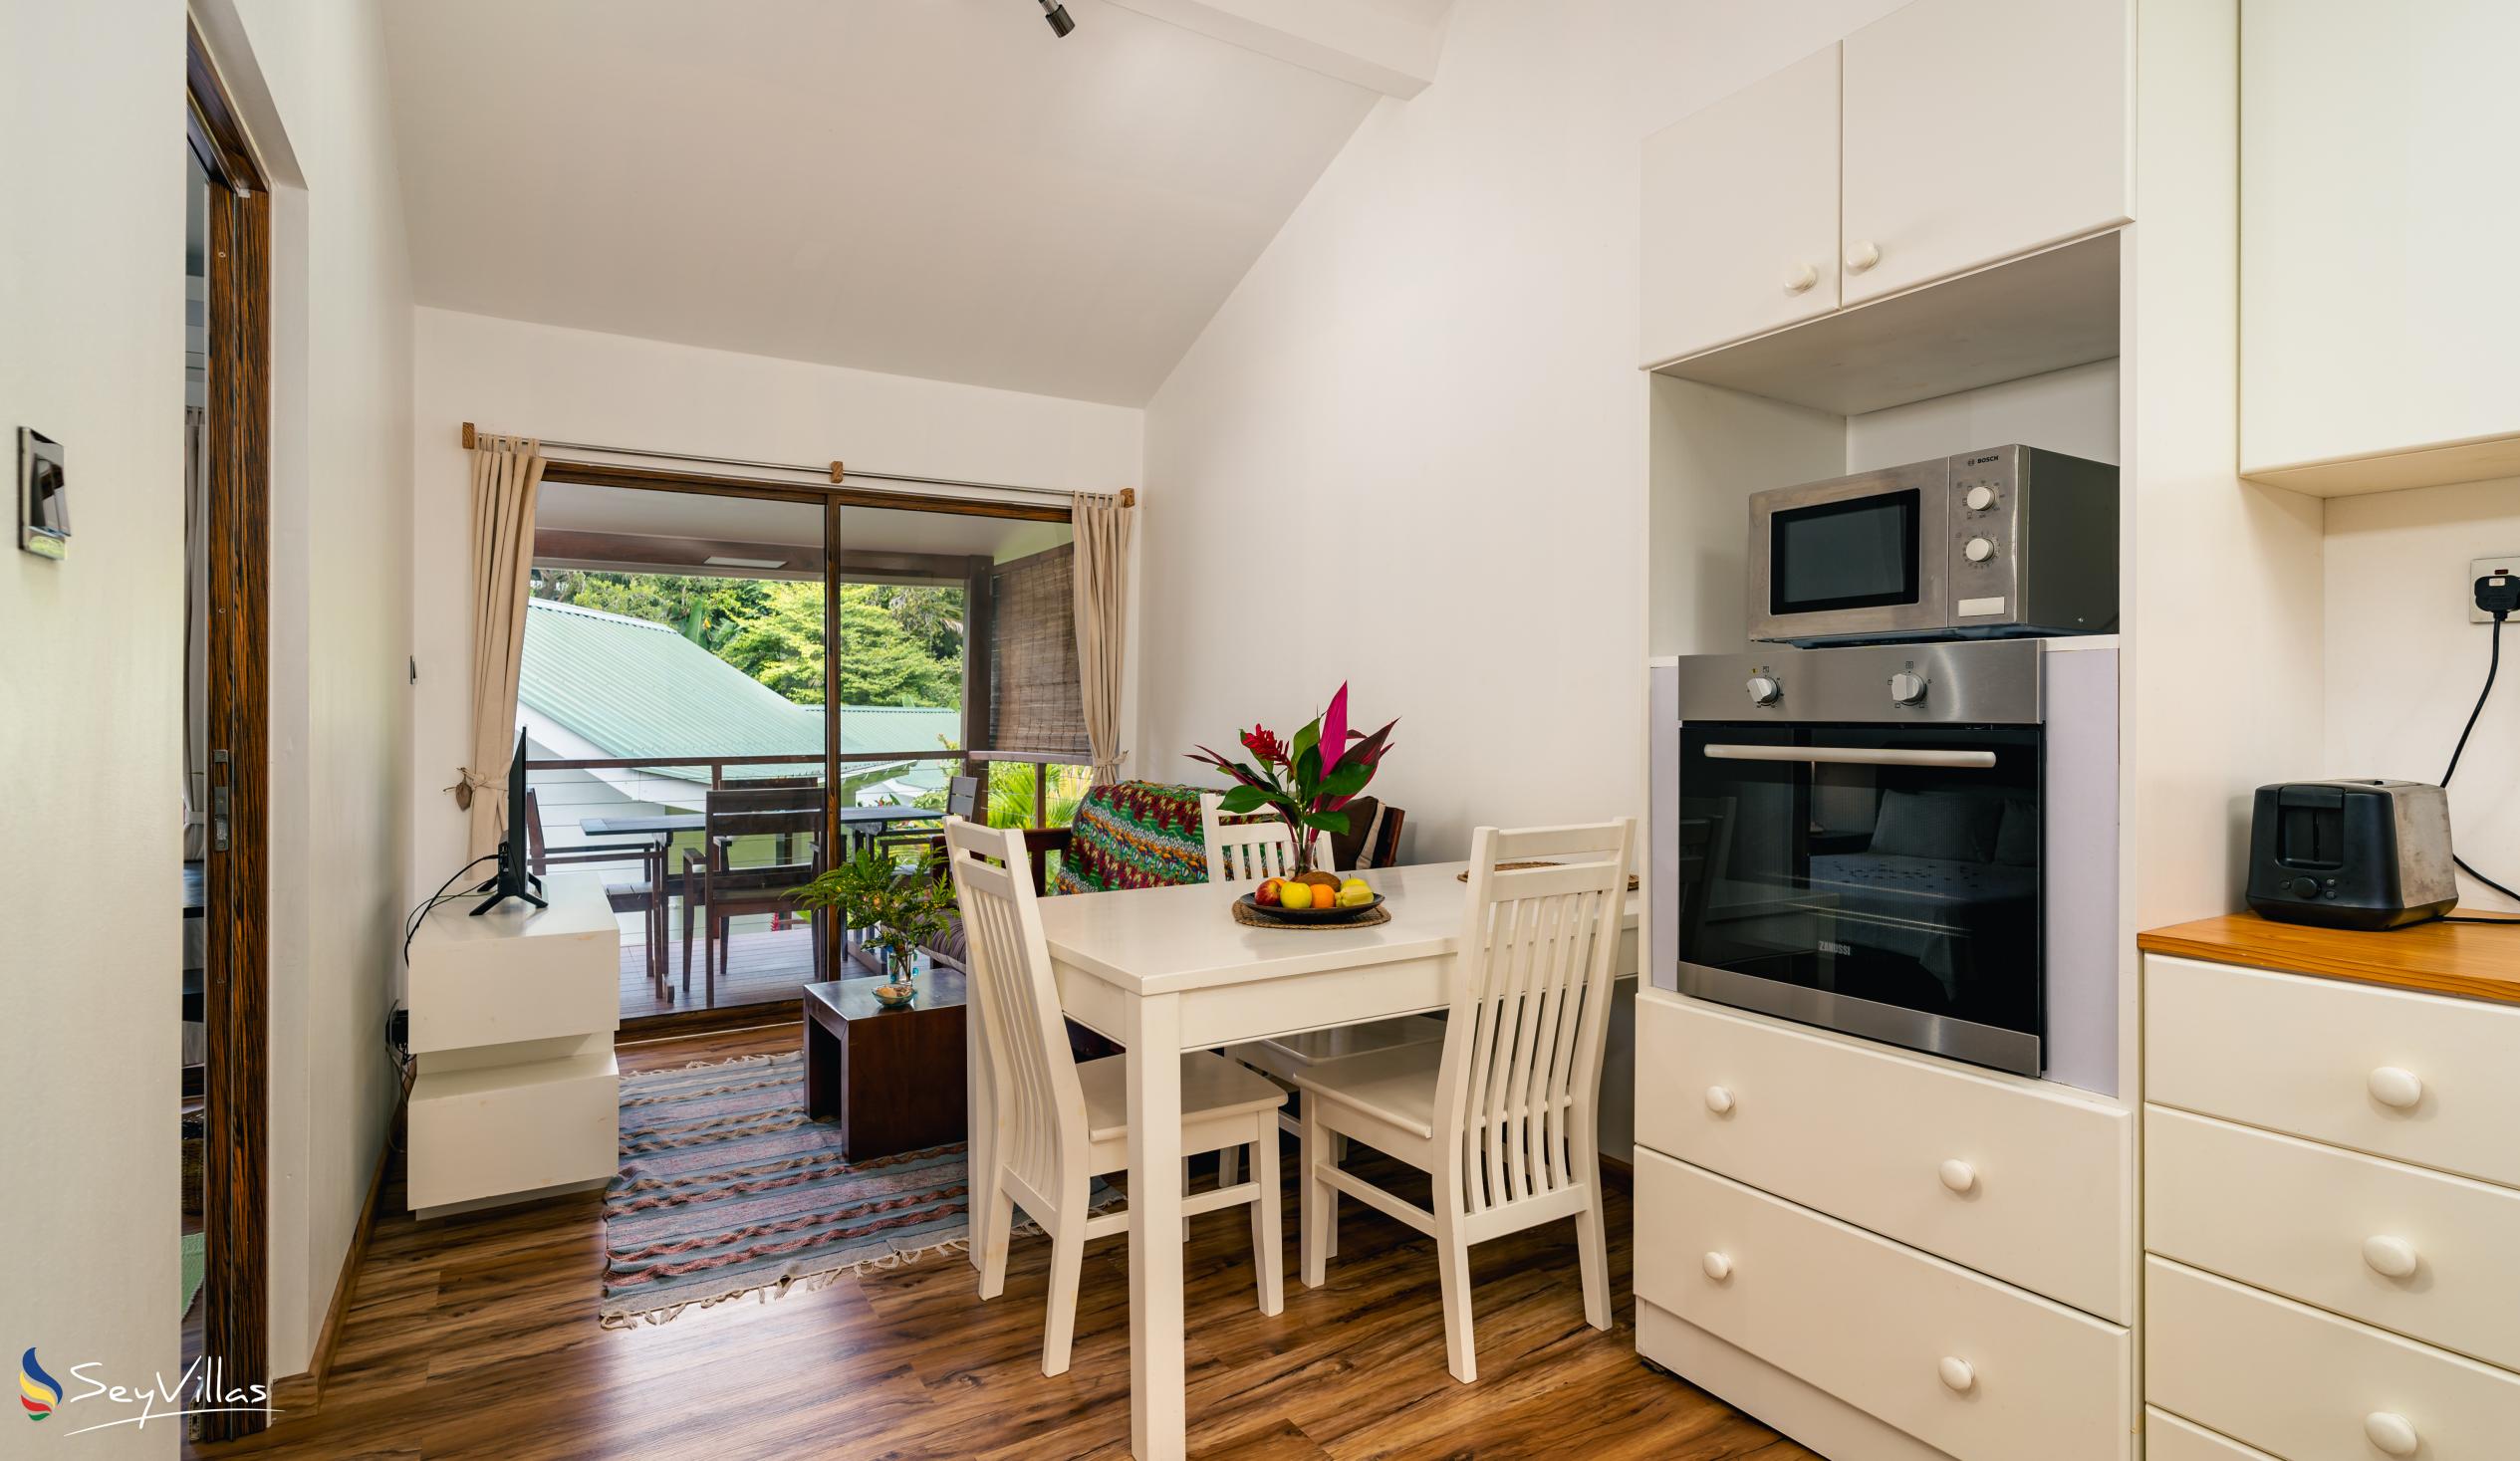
pixel 506 471
pixel 1101 593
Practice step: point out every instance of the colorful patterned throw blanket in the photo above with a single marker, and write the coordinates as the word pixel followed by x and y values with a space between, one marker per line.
pixel 1134 834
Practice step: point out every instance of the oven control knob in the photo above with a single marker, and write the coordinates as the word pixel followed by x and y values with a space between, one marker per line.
pixel 1979 498
pixel 1765 689
pixel 1907 688
pixel 1978 550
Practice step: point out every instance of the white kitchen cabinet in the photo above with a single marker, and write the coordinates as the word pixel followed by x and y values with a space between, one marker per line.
pixel 1977 129
pixel 1740 223
pixel 1947 136
pixel 2376 311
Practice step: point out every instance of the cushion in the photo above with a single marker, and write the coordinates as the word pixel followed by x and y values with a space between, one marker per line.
pixel 1134 834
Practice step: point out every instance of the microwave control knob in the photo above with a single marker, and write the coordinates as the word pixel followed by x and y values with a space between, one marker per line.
pixel 1907 688
pixel 1765 689
pixel 1979 498
pixel 1978 550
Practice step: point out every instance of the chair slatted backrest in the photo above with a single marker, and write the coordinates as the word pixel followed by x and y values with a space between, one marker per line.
pixel 733 812
pixel 1248 852
pixel 1522 1060
pixel 1040 1105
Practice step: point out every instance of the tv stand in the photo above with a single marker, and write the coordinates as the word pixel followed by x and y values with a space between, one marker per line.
pixel 512 1015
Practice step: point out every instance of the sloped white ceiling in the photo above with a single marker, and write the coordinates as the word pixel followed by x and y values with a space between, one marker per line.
pixel 928 187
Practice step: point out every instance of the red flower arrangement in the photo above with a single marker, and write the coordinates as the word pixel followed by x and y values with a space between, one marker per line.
pixel 1307 780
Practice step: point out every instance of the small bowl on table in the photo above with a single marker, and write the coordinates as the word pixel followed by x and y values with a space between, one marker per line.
pixel 895 996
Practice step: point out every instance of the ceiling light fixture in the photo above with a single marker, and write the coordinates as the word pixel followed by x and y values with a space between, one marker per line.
pixel 1057 15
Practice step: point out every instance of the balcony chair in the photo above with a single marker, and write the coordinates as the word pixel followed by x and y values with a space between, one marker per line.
pixel 625 895
pixel 1502 1114
pixel 1060 1124
pixel 716 890
pixel 1247 851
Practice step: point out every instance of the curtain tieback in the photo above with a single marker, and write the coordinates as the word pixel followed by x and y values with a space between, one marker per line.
pixel 466 783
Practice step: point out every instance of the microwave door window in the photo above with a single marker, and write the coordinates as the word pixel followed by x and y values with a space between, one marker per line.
pixel 1909 885
pixel 1858 554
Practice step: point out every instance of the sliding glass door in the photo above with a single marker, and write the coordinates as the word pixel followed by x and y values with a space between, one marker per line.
pixel 672 696
pixel 724 690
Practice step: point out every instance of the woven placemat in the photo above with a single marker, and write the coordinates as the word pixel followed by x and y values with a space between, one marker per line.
pixel 1253 919
pixel 1464 875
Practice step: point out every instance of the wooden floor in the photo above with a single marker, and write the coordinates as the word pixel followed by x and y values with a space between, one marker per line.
pixel 762 966
pixel 476 1336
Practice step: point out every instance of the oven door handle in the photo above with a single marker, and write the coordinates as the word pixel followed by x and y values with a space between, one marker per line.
pixel 1856 755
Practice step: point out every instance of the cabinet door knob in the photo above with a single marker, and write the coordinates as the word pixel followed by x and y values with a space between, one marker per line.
pixel 2392 1085
pixel 1718 1267
pixel 1957 1377
pixel 1719 1101
pixel 2392 1433
pixel 2392 1258
pixel 1862 254
pixel 1959 1176
pixel 1801 278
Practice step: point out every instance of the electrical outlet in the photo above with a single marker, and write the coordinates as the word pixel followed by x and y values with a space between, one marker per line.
pixel 2509 563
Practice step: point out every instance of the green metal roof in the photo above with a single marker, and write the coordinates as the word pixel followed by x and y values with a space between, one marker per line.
pixel 637 689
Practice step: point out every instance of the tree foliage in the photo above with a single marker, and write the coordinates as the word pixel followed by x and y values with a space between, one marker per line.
pixel 900 644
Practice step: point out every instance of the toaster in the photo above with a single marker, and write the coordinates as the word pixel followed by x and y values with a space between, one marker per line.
pixel 2352 854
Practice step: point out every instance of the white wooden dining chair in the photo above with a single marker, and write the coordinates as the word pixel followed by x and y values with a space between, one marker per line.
pixel 1060 1125
pixel 1249 852
pixel 1504 1114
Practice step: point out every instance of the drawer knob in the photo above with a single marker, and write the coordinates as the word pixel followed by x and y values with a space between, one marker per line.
pixel 2389 1257
pixel 1957 1377
pixel 1862 254
pixel 1800 279
pixel 1718 1267
pixel 1959 1176
pixel 2392 1432
pixel 1719 1101
pixel 2392 1085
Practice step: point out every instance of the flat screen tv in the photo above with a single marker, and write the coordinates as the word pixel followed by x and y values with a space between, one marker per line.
pixel 514 879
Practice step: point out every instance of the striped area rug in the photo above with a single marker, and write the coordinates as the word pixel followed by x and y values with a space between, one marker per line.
pixel 726 1189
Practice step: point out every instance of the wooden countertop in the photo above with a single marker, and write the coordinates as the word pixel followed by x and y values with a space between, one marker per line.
pixel 2471 959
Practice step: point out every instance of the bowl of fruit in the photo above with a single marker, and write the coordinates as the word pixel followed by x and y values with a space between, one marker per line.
pixel 1313 897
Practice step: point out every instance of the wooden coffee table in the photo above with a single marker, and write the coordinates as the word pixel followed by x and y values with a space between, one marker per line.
pixel 895 1079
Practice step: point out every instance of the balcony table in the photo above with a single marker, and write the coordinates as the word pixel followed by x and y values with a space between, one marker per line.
pixel 1165 970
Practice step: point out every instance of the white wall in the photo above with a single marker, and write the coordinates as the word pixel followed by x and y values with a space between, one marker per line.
pixel 91 237
pixel 2403 665
pixel 1410 450
pixel 2224 676
pixel 2073 410
pixel 310 77
pixel 577 385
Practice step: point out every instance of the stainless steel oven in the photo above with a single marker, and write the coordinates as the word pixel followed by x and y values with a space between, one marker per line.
pixel 1861 842
pixel 2008 540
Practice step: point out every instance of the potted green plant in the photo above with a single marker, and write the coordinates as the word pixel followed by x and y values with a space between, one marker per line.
pixel 1306 781
pixel 897 909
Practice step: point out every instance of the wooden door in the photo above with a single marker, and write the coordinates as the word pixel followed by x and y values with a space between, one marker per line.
pixel 1978 129
pixel 1740 220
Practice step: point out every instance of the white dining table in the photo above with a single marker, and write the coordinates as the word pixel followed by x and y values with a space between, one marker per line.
pixel 1165 970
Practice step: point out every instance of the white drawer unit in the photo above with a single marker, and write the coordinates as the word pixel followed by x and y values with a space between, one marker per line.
pixel 2305 1385
pixel 2430 1256
pixel 2167 1438
pixel 1999 1175
pixel 2418 1077
pixel 1978 1369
